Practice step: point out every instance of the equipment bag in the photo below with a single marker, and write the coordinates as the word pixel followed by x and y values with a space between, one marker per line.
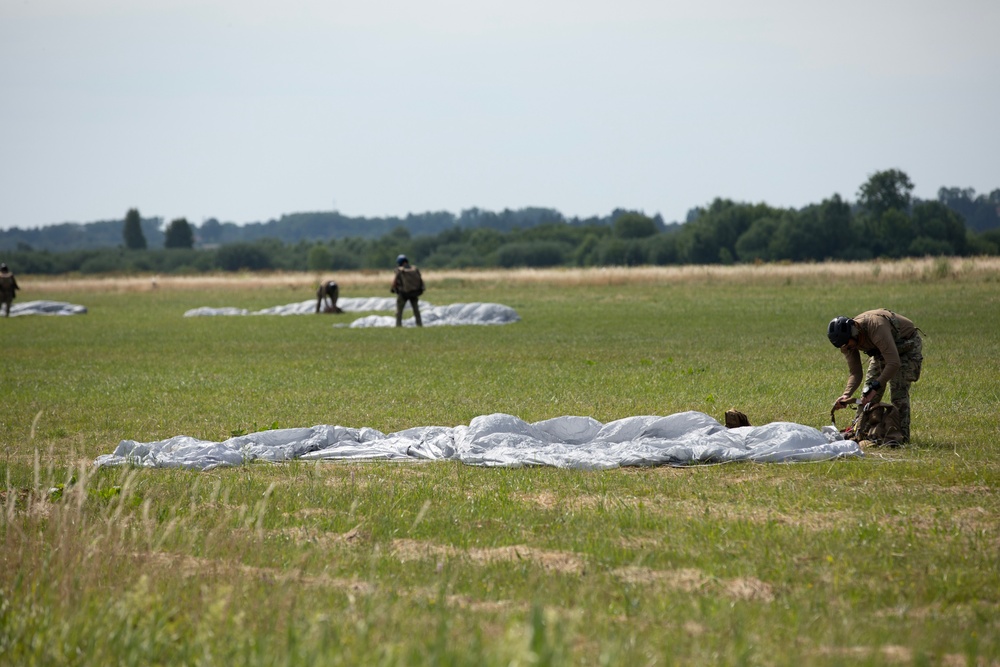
pixel 410 280
pixel 871 423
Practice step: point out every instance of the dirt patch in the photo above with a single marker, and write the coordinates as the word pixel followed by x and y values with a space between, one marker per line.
pixel 550 501
pixel 714 511
pixel 691 580
pixel 893 654
pixel 890 654
pixel 685 579
pixel 749 588
pixel 555 561
pixel 694 629
pixel 642 543
pixel 310 512
pixel 189 566
pixel 322 539
pixel 488 606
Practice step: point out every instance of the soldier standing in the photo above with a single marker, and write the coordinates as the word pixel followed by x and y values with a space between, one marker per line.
pixel 8 287
pixel 407 285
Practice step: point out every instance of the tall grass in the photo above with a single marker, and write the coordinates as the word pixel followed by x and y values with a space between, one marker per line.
pixel 888 559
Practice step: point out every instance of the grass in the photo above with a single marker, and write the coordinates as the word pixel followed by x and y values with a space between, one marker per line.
pixel 889 559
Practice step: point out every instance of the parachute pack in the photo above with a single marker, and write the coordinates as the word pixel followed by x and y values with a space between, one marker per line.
pixel 410 280
pixel 871 424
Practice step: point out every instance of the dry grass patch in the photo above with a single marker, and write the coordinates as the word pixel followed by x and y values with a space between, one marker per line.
pixel 547 500
pixel 192 566
pixel 555 561
pixel 872 272
pixel 713 511
pixel 894 654
pixel 323 539
pixel 691 580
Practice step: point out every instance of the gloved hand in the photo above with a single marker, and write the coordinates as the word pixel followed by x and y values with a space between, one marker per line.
pixel 869 392
pixel 841 403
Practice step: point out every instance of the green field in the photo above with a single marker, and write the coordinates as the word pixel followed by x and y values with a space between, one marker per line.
pixel 889 559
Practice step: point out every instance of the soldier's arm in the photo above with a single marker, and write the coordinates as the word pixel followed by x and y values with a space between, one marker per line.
pixel 883 340
pixel 856 372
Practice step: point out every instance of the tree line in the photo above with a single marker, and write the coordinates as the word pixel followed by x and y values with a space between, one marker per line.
pixel 884 222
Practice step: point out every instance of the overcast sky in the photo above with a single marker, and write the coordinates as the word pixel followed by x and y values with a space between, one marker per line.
pixel 244 110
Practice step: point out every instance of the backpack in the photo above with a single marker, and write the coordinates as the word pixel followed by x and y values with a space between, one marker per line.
pixel 410 281
pixel 871 424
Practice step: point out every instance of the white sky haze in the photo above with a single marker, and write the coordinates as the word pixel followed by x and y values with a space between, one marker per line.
pixel 247 110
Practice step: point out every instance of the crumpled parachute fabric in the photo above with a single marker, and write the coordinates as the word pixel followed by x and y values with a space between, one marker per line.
pixel 501 440
pixel 431 316
pixel 450 315
pixel 46 308
pixel 348 305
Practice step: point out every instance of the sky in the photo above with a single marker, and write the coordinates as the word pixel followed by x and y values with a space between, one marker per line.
pixel 245 110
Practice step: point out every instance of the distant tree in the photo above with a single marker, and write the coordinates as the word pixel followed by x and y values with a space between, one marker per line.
pixel 888 190
pixel 663 249
pixel 702 240
pixel 980 213
pixel 210 231
pixel 537 254
pixel 634 226
pixel 320 258
pixel 815 233
pixel 934 221
pixel 242 256
pixel 586 252
pixel 755 243
pixel 890 234
pixel 134 238
pixel 178 234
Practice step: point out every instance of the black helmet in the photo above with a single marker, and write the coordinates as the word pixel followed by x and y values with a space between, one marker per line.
pixel 3 267
pixel 401 260
pixel 840 331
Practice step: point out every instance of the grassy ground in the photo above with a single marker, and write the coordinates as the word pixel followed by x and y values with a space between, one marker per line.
pixel 889 559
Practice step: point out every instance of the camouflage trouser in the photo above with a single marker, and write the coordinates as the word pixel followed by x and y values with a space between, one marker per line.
pixel 414 300
pixel 910 359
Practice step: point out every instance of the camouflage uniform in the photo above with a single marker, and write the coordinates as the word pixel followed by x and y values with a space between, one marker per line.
pixel 407 285
pixel 328 290
pixel 8 287
pixel 893 342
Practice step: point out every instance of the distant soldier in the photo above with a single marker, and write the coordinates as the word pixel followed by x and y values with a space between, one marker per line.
pixel 408 285
pixel 8 287
pixel 326 298
pixel 894 345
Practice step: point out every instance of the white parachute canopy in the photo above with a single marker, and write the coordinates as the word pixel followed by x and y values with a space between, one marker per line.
pixel 46 308
pixel 451 315
pixel 348 305
pixel 501 440
pixel 432 316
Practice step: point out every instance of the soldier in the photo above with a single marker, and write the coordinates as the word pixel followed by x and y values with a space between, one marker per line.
pixel 326 297
pixel 895 347
pixel 408 285
pixel 8 287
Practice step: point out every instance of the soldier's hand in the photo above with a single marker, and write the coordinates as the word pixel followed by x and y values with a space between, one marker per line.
pixel 841 403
